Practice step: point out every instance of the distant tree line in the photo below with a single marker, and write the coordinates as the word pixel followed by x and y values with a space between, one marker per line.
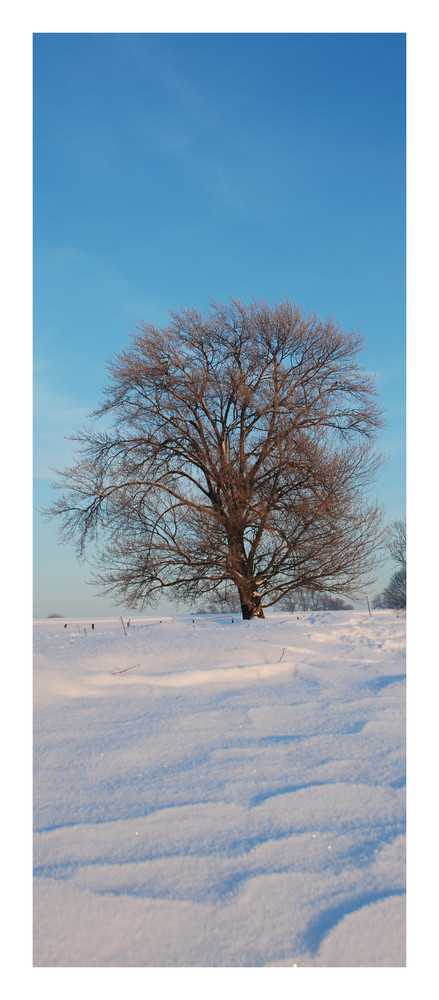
pixel 300 599
pixel 308 600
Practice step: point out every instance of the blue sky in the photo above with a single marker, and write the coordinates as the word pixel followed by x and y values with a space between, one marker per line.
pixel 173 167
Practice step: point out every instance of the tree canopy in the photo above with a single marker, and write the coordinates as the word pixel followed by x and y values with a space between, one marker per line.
pixel 235 447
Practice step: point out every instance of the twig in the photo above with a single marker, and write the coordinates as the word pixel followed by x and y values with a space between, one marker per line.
pixel 281 655
pixel 123 626
pixel 113 672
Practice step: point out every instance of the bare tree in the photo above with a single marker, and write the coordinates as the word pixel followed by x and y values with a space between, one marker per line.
pixel 397 542
pixel 394 595
pixel 239 448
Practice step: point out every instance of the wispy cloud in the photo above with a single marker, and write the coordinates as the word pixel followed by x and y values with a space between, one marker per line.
pixel 56 415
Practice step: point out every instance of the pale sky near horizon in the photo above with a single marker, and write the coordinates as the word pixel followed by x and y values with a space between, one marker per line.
pixel 173 167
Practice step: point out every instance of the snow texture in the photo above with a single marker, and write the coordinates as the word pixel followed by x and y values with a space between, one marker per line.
pixel 216 793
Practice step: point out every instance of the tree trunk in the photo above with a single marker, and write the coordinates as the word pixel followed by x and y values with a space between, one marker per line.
pixel 243 576
pixel 251 606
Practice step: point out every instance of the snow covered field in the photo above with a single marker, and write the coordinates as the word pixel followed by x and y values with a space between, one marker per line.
pixel 220 793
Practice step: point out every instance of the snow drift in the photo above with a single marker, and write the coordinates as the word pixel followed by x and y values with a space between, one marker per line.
pixel 211 792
